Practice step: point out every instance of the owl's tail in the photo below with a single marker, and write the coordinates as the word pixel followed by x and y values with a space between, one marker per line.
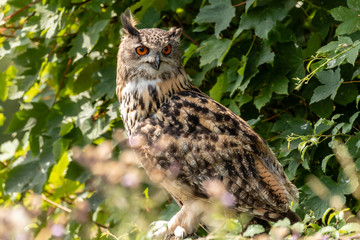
pixel 293 217
pixel 276 216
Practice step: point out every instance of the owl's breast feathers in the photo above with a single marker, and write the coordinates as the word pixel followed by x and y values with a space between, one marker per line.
pixel 189 140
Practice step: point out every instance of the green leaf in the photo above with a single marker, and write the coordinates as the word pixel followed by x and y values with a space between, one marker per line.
pixel 8 149
pixel 270 15
pixel 241 71
pixel 2 119
pixel 349 18
pixel 348 126
pixel 325 161
pixel 214 50
pixel 3 87
pixel 323 108
pixel 218 89
pixel 254 229
pixel 31 173
pixel 76 172
pixel 351 227
pixel 346 94
pixel 278 84
pixel 354 4
pixel 142 6
pixel 219 12
pixel 327 229
pixel 257 58
pixel 331 81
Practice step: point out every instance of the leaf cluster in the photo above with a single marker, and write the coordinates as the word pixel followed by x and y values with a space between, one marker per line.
pixel 291 69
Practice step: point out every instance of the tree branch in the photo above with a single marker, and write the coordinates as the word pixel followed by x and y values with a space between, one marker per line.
pixel 20 10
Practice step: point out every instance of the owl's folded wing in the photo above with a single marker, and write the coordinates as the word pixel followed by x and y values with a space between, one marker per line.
pixel 193 141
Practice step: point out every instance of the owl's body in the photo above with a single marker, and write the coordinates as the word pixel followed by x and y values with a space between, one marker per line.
pixel 189 143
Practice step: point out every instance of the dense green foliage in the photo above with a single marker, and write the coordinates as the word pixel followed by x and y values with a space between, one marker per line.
pixel 291 69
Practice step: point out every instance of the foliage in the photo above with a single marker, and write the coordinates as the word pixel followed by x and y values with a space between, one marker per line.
pixel 291 69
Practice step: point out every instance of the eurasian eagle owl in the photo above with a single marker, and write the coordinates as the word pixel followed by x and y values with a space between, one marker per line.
pixel 189 143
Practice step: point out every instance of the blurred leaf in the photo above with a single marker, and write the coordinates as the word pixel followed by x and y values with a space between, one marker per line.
pixel 252 230
pixel 351 227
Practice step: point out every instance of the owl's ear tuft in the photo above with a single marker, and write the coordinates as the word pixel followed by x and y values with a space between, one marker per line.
pixel 175 33
pixel 128 22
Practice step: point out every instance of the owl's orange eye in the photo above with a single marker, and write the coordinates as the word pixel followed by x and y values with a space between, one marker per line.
pixel 166 50
pixel 142 50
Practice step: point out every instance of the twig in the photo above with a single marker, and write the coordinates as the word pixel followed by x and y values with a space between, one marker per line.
pixel 191 39
pixel 239 4
pixel 177 18
pixel 65 209
pixel 351 82
pixel 20 10
pixel 307 78
pixel 63 79
pixel 274 116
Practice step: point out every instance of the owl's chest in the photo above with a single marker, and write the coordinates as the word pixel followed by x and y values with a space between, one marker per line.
pixel 139 100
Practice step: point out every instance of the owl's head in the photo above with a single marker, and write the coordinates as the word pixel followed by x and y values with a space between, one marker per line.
pixel 152 50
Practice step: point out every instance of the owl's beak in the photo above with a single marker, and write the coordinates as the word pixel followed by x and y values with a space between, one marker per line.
pixel 156 63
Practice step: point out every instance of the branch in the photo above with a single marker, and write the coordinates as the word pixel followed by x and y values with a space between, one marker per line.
pixel 191 39
pixel 351 82
pixel 21 10
pixel 65 209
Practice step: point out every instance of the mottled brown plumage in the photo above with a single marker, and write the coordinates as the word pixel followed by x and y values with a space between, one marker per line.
pixel 189 142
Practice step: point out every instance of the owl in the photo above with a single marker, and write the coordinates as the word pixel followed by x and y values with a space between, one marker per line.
pixel 194 147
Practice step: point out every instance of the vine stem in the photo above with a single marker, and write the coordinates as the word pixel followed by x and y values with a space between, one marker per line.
pixel 310 75
pixel 20 10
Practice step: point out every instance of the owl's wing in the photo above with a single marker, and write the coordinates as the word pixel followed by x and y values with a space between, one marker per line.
pixel 193 140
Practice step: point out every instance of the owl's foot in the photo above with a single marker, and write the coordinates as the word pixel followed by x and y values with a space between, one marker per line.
pixel 185 222
pixel 161 230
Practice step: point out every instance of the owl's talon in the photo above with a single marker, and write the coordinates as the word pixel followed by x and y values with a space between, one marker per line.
pixel 179 233
pixel 159 230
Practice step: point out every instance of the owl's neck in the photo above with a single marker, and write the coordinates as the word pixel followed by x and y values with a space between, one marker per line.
pixel 141 97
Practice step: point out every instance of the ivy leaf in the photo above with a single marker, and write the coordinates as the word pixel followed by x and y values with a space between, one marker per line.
pixel 219 12
pixel 331 81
